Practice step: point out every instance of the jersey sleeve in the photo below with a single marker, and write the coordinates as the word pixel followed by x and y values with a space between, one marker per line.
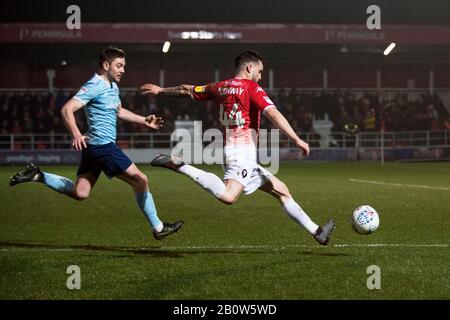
pixel 86 93
pixel 260 99
pixel 204 93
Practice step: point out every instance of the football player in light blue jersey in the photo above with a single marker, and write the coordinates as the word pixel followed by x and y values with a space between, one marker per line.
pixel 100 99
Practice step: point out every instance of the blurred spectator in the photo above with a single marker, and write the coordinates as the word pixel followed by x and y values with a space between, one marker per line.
pixel 16 128
pixel 369 121
pixel 447 123
pixel 304 121
pixel 28 123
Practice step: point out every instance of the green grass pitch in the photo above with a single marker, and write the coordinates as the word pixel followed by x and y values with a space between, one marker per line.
pixel 250 250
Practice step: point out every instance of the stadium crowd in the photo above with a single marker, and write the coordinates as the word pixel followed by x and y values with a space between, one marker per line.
pixel 38 112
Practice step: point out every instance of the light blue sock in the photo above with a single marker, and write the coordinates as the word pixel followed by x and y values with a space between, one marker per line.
pixel 57 183
pixel 147 205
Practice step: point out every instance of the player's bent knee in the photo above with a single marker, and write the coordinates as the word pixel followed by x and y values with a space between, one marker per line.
pixel 142 181
pixel 139 182
pixel 81 195
pixel 228 199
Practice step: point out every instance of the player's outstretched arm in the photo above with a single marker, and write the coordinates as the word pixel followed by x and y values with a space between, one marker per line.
pixel 150 121
pixel 281 123
pixel 181 91
pixel 67 113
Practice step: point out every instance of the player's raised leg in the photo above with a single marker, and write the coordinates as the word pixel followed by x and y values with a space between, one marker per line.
pixel 279 190
pixel 227 192
pixel 78 191
pixel 139 182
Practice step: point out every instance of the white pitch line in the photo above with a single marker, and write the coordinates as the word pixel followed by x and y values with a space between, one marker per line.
pixel 309 246
pixel 274 248
pixel 399 184
pixel 437 245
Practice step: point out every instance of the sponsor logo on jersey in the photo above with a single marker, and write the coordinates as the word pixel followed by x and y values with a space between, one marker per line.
pixel 111 105
pixel 84 89
pixel 259 89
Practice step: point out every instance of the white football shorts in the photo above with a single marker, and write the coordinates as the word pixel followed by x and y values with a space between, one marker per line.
pixel 241 165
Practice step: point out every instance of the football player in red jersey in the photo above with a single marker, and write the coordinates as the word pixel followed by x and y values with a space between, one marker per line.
pixel 241 101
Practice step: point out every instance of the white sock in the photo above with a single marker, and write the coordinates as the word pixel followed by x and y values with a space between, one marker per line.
pixel 190 171
pixel 159 227
pixel 206 180
pixel 297 214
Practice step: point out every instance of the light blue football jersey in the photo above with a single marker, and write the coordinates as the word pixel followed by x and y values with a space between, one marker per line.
pixel 101 103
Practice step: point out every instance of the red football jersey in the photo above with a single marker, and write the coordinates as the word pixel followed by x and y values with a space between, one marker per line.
pixel 241 102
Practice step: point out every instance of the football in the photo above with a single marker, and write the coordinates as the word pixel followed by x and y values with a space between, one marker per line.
pixel 365 220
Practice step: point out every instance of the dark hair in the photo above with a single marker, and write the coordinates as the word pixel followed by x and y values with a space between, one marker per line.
pixel 109 54
pixel 246 57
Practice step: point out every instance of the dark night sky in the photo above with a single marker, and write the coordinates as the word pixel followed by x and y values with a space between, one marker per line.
pixel 423 12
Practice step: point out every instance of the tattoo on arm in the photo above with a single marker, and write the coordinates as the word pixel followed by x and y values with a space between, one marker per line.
pixel 178 91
